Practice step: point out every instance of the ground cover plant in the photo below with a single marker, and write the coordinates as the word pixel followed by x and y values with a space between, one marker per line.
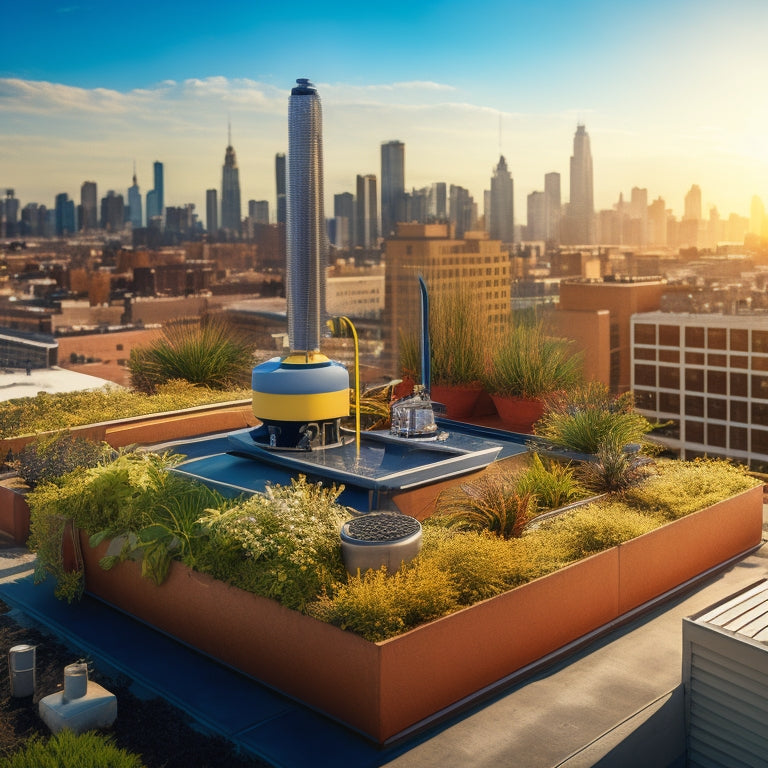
pixel 284 544
pixel 50 412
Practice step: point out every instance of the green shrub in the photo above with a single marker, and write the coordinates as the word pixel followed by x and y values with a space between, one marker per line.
pixel 283 544
pixel 480 565
pixel 552 484
pixel 210 353
pixel 120 495
pixel 378 605
pixel 491 502
pixel 47 413
pixel 583 418
pixel 52 456
pixel 69 750
pixel 527 363
pixel 614 468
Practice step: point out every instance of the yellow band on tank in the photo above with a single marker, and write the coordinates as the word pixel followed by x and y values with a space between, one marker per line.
pixel 319 407
pixel 305 358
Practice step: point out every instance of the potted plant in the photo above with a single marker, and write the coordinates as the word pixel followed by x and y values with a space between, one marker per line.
pixel 456 352
pixel 525 366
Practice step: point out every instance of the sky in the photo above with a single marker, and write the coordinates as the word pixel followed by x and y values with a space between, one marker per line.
pixel 672 93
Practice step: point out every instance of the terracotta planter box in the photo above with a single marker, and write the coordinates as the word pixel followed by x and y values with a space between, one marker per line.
pixel 14 514
pixel 157 427
pixel 387 689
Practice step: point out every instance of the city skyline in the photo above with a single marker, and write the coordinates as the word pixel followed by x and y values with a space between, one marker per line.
pixel 669 96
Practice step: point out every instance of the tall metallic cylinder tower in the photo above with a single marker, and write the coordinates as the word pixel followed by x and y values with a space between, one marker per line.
pixel 301 398
pixel 306 237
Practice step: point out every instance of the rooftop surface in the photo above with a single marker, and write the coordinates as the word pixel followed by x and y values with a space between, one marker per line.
pixel 14 382
pixel 618 701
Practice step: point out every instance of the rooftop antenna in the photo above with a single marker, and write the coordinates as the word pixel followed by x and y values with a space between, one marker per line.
pixel 229 131
pixel 500 120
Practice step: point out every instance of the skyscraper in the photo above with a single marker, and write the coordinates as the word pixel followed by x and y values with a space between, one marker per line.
pixel 344 217
pixel 134 202
pixel 211 210
pixel 64 215
pixel 230 192
pixel 88 210
pixel 502 226
pixel 306 237
pixel 366 226
pixel 258 211
pixel 693 203
pixel 581 206
pixel 156 197
pixel 552 206
pixel 392 185
pixel 280 185
pixel 536 228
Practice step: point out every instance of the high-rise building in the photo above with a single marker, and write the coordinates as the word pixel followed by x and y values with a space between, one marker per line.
pixel 638 213
pixel 33 223
pixel 156 197
pixel 463 213
pixel 581 206
pixel 9 215
pixel 281 186
pixel 134 202
pixel 693 204
pixel 552 206
pixel 438 202
pixel 258 211
pixel 64 215
pixel 392 185
pixel 536 225
pixel 212 210
pixel 112 212
pixel 89 218
pixel 502 224
pixel 344 218
pixel 367 218
pixel 307 248
pixel 657 222
pixel 230 193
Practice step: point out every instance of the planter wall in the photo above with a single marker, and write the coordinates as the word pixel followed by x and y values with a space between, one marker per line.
pixel 14 514
pixel 158 427
pixel 383 689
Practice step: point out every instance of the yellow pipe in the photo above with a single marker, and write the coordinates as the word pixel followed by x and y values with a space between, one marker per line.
pixel 357 381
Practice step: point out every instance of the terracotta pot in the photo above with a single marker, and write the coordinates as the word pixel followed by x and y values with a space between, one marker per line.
pixel 519 414
pixel 460 401
pixel 404 388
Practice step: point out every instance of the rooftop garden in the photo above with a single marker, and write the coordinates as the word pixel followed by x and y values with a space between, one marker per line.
pixel 484 538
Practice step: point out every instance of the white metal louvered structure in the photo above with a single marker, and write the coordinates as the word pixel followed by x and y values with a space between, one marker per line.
pixel 725 672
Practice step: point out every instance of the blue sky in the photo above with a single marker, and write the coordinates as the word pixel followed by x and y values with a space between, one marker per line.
pixel 672 93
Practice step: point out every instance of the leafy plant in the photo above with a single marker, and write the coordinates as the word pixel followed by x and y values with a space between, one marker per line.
pixel 176 506
pixel 119 495
pixel 527 363
pixel 551 483
pixel 67 749
pixel 52 456
pixel 492 502
pixel 209 353
pixel 583 418
pixel 614 468
pixel 283 544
